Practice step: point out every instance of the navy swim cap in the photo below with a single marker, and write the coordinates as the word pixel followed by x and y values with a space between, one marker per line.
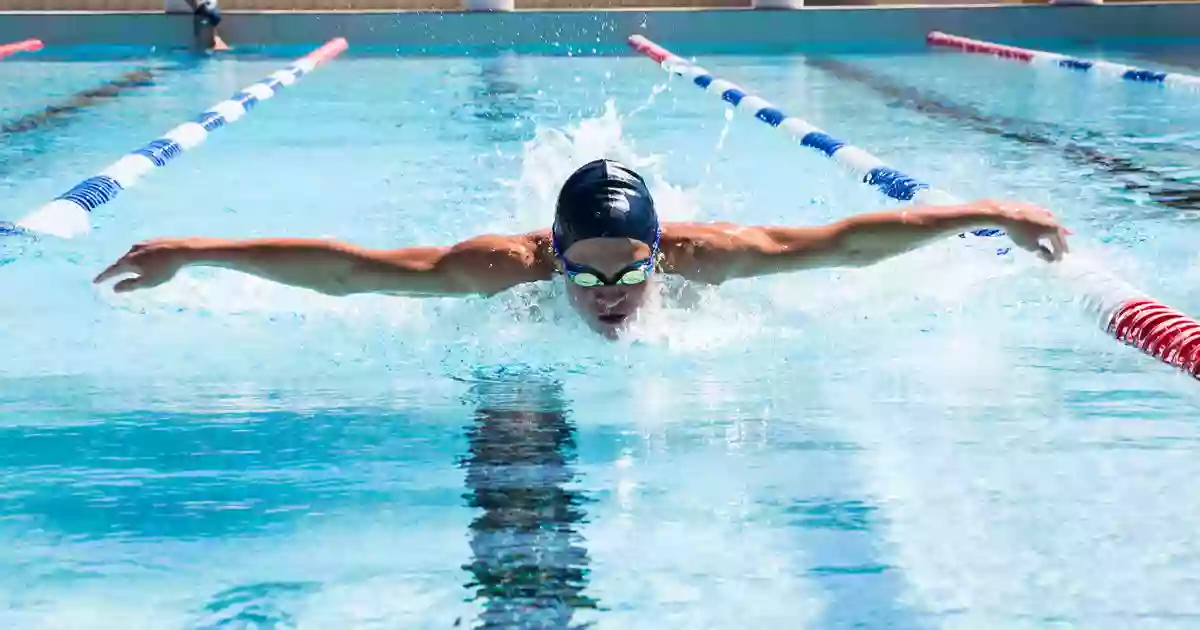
pixel 604 198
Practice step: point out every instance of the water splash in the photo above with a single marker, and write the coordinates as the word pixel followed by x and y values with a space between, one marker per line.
pixel 720 140
pixel 553 154
pixel 654 92
pixel 529 325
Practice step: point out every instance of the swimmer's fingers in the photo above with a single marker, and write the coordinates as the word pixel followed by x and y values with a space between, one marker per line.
pixel 1057 248
pixel 1027 242
pixel 119 268
pixel 1059 240
pixel 1050 246
pixel 140 282
pixel 126 263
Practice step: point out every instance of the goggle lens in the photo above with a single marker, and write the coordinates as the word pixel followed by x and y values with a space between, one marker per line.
pixel 589 280
pixel 633 276
pixel 584 279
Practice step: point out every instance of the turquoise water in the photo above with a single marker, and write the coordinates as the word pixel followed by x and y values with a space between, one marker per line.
pixel 941 441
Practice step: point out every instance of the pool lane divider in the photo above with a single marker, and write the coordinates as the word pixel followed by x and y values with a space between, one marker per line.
pixel 1106 69
pixel 68 214
pixel 1123 312
pixel 1163 189
pixel 29 45
pixel 870 169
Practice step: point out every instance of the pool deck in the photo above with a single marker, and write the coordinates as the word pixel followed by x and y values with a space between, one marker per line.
pixel 581 31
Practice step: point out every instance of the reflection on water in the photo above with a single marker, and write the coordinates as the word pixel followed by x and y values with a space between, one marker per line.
pixel 35 134
pixel 253 606
pixel 501 100
pixel 529 566
pixel 87 98
pixel 499 93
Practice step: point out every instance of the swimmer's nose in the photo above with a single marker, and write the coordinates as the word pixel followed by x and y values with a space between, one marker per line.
pixel 607 299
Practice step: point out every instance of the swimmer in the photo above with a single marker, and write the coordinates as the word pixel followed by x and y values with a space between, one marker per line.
pixel 606 240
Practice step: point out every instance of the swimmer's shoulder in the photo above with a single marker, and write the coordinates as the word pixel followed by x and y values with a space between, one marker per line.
pixel 700 251
pixel 686 239
pixel 493 263
pixel 539 241
pixel 538 249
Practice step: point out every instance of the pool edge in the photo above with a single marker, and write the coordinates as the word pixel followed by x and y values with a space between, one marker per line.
pixel 581 31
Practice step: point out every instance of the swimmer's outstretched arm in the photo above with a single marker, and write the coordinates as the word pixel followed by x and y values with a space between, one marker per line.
pixel 482 265
pixel 717 252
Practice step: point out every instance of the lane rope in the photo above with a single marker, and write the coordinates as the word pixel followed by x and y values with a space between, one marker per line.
pixel 1123 311
pixel 1105 69
pixel 68 214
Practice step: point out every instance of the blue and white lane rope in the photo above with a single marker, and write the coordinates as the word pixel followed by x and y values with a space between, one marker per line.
pixel 869 168
pixel 1122 311
pixel 67 215
pixel 1095 66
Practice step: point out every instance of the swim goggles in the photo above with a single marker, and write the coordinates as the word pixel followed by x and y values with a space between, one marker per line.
pixel 635 272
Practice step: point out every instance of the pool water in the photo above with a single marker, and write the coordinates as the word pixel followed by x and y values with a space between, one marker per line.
pixel 944 440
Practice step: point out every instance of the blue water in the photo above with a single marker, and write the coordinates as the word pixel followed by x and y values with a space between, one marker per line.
pixel 945 440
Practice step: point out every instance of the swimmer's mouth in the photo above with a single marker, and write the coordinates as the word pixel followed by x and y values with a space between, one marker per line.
pixel 612 319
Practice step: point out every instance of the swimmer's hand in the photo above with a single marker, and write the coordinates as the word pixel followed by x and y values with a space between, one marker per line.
pixel 152 262
pixel 1031 228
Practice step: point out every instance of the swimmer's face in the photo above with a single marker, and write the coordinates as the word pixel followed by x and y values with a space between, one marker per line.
pixel 607 308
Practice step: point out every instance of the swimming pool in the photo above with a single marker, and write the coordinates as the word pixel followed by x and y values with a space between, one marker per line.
pixel 939 441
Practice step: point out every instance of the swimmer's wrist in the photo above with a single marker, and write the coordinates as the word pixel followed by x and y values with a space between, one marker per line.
pixel 987 214
pixel 965 216
pixel 200 251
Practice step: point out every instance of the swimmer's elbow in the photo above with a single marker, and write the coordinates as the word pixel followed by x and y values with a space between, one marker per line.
pixel 803 249
pixel 846 246
pixel 429 273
